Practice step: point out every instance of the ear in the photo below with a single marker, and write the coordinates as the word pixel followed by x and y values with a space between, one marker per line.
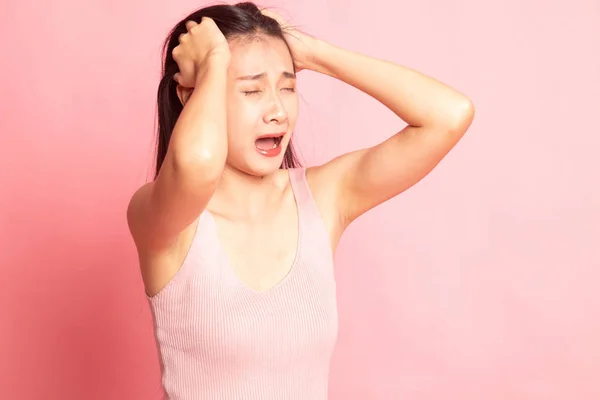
pixel 184 94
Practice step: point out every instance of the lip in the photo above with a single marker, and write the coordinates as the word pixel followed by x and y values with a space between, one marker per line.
pixel 271 135
pixel 275 151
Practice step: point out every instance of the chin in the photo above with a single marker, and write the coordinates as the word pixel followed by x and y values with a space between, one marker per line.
pixel 258 168
pixel 266 168
pixel 254 162
pixel 261 165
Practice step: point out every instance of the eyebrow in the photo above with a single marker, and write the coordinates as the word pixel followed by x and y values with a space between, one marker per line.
pixel 284 74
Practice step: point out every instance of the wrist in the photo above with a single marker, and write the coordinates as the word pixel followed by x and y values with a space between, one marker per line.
pixel 218 59
pixel 319 53
pixel 213 64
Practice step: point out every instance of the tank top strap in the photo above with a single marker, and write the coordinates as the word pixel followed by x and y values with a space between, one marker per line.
pixel 302 193
pixel 308 210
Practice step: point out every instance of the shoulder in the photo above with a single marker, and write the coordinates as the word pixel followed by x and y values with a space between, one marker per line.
pixel 322 183
pixel 325 180
pixel 157 266
pixel 135 209
pixel 138 213
pixel 330 173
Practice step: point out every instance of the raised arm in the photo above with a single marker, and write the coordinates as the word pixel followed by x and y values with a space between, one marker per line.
pixel 437 117
pixel 197 150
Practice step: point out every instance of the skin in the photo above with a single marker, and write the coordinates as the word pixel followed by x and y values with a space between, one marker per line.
pixel 247 194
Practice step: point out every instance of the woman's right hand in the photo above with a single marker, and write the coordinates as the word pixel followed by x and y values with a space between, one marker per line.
pixel 201 43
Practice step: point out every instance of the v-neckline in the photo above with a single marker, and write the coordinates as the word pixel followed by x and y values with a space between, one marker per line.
pixel 290 273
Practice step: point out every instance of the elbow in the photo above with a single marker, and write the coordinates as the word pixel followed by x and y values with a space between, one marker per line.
pixel 453 118
pixel 461 117
pixel 467 110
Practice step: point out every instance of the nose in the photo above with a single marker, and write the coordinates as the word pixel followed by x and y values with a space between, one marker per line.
pixel 275 112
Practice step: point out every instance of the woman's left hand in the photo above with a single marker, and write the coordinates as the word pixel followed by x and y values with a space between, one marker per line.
pixel 301 45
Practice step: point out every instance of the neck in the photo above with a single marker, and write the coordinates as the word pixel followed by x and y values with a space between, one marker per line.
pixel 244 195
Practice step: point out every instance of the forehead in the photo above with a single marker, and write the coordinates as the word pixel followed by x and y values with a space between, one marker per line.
pixel 260 54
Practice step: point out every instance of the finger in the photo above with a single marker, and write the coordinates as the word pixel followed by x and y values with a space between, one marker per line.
pixel 207 21
pixel 273 15
pixel 190 24
pixel 175 52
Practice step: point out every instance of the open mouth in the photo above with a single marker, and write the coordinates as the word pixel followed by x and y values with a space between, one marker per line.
pixel 268 145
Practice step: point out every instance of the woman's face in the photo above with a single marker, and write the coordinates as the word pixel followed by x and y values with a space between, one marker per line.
pixel 262 104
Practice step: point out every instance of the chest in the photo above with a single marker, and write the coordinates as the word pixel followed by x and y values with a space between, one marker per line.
pixel 261 253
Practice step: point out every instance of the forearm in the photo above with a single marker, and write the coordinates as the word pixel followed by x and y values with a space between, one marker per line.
pixel 200 134
pixel 416 98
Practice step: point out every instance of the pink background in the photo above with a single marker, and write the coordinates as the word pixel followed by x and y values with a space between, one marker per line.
pixel 481 282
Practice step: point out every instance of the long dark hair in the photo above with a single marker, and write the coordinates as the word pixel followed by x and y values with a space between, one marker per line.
pixel 239 20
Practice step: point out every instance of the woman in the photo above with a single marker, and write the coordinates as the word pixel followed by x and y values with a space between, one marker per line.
pixel 235 239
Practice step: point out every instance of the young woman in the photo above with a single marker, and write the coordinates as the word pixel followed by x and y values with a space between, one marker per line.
pixel 235 239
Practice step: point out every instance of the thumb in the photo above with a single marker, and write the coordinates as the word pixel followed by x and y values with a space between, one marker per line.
pixel 190 24
pixel 273 15
pixel 177 78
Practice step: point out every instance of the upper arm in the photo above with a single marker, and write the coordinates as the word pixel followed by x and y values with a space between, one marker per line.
pixel 160 210
pixel 368 177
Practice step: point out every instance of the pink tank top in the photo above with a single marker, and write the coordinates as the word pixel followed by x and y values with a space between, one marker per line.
pixel 219 339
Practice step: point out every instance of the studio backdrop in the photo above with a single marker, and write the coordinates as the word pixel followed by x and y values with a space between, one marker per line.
pixel 480 282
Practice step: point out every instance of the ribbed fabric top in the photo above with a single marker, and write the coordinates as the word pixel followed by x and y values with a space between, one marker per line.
pixel 220 339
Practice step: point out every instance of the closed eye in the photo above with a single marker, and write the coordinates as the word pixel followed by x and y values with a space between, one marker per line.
pixel 250 92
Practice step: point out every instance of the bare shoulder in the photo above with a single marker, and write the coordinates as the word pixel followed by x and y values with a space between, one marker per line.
pixel 135 210
pixel 157 266
pixel 323 181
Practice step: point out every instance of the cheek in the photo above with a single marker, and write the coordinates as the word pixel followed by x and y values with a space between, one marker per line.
pixel 241 123
pixel 291 106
